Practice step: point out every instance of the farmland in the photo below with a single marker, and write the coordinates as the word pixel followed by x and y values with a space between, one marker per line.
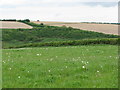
pixel 44 33
pixel 92 66
pixel 58 57
pixel 13 25
pixel 103 28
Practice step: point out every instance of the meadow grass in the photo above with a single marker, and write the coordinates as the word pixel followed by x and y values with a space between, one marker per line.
pixel 93 66
pixel 0 68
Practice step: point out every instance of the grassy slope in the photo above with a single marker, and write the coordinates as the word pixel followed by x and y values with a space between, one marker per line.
pixel 61 67
pixel 57 66
pixel 43 33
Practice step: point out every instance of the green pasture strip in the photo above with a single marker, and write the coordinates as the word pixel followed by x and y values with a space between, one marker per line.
pixel 61 67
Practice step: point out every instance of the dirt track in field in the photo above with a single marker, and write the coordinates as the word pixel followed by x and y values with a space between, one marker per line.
pixel 103 28
pixel 13 25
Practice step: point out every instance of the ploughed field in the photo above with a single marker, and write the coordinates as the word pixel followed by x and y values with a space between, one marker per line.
pixel 13 25
pixel 91 66
pixel 103 28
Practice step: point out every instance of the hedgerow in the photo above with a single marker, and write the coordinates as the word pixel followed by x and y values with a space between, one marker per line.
pixel 109 41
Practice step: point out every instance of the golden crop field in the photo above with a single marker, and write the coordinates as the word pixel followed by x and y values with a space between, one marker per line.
pixel 104 28
pixel 13 25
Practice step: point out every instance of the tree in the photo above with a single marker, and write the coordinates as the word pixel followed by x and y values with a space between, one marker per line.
pixel 27 20
pixel 41 24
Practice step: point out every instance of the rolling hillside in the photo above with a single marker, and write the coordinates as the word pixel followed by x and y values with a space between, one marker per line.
pixel 58 57
pixel 44 33
pixel 103 28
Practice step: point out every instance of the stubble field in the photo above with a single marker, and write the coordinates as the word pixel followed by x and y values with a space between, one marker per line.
pixel 13 25
pixel 103 28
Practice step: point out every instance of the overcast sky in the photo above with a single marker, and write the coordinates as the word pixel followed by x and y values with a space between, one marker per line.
pixel 60 10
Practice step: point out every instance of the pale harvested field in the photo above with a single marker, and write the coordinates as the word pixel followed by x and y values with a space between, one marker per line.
pixel 13 25
pixel 104 28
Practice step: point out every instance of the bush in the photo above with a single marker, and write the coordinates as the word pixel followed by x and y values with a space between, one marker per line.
pixel 24 21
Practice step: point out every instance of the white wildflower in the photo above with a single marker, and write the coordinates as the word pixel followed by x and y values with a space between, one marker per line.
pixel 110 56
pixel 10 68
pixel 83 66
pixel 98 71
pixel 66 67
pixel 49 70
pixel 3 61
pixel 38 54
pixel 51 59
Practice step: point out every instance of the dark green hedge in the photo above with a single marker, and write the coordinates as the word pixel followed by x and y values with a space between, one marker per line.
pixel 109 41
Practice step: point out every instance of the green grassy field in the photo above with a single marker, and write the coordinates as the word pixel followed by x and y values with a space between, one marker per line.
pixel 61 67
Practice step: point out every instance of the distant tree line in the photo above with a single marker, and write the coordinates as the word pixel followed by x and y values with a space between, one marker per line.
pixel 25 20
pixel 8 20
pixel 100 23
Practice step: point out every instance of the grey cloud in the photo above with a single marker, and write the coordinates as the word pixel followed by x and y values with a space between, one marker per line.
pixel 104 4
